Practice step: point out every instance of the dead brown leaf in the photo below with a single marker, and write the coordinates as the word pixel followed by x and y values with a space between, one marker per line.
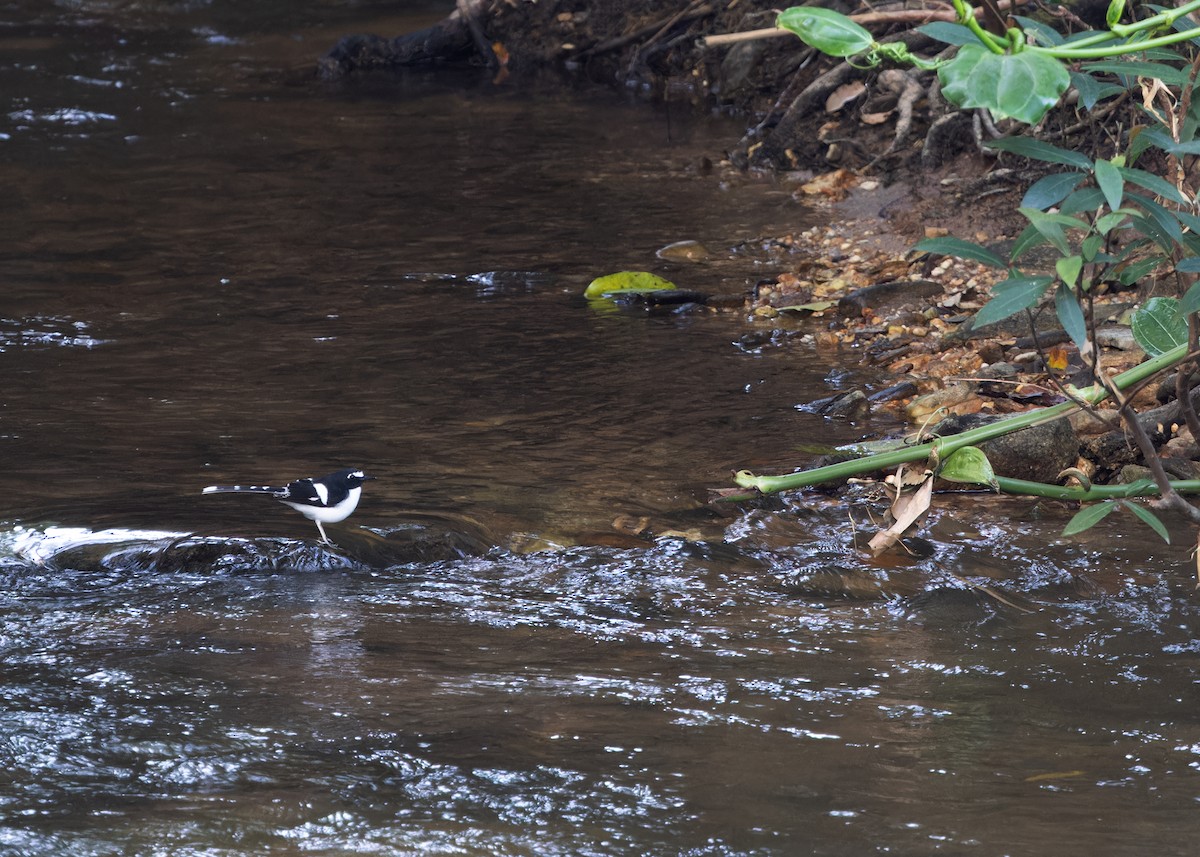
pixel 906 509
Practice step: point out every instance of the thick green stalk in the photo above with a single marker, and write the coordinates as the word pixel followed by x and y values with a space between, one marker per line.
pixel 944 447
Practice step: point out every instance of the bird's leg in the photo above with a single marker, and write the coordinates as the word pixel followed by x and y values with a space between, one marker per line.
pixel 324 538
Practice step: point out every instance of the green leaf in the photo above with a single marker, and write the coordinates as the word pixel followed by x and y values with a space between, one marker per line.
pixel 968 465
pixel 1084 199
pixel 1158 327
pixel 1190 265
pixel 1045 34
pixel 1134 271
pixel 1111 182
pixel 1068 268
pixel 1105 222
pixel 1037 150
pixel 1090 249
pixel 1070 315
pixel 1116 8
pixel 1091 91
pixel 1026 241
pixel 950 246
pixel 1051 226
pixel 627 281
pixel 828 31
pixel 1011 297
pixel 1154 184
pixel 1189 220
pixel 1191 300
pixel 951 34
pixel 1022 86
pixel 1129 68
pixel 1148 518
pixel 1088 517
pixel 1160 138
pixel 1051 190
pixel 1162 217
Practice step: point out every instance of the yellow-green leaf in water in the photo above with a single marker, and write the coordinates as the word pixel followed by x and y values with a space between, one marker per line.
pixel 627 281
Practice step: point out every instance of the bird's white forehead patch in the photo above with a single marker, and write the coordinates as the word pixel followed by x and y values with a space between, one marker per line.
pixel 358 474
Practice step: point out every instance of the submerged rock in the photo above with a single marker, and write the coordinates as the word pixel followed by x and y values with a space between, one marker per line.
pixel 1038 453
pixel 849 405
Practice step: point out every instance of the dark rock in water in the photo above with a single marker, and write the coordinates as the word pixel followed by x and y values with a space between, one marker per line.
pixel 887 299
pixel 850 405
pixel 897 391
pixel 1038 453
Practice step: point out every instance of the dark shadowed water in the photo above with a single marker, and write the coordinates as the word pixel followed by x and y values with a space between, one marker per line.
pixel 534 637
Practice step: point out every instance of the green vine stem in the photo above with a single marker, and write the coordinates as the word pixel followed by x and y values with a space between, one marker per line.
pixel 1141 488
pixel 942 448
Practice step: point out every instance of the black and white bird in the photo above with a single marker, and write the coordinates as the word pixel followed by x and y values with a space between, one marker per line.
pixel 326 500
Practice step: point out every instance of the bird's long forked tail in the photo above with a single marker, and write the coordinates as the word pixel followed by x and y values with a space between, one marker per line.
pixel 242 489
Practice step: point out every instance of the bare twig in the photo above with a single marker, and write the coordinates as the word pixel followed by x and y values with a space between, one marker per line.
pixel 902 16
pixel 649 29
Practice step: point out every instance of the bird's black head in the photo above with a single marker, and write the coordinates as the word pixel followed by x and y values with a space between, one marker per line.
pixel 352 477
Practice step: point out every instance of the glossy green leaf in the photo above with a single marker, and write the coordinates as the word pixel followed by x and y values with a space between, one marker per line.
pixel 1011 297
pixel 950 246
pixel 1051 190
pixel 1158 327
pixel 1111 182
pixel 1088 517
pixel 627 281
pixel 1190 265
pixel 1022 86
pixel 1036 150
pixel 968 465
pixel 1148 518
pixel 828 31
pixel 1070 315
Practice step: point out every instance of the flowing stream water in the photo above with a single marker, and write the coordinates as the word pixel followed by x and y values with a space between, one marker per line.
pixel 534 636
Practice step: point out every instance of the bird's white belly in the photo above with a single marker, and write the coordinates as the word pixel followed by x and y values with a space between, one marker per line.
pixel 328 514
